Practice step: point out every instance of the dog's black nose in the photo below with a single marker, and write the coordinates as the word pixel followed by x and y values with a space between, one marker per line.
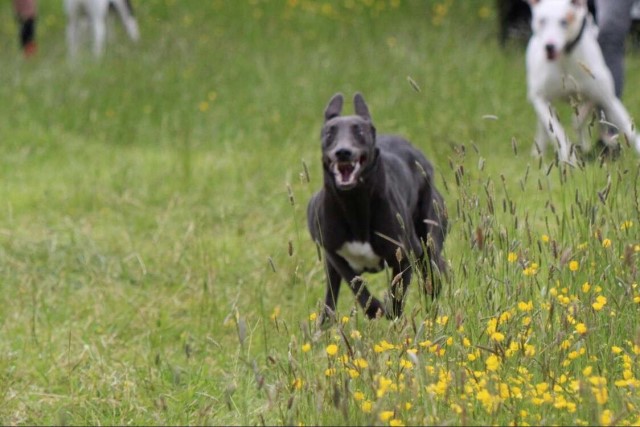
pixel 551 50
pixel 343 155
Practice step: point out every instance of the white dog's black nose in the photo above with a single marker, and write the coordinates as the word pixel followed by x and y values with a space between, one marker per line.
pixel 550 48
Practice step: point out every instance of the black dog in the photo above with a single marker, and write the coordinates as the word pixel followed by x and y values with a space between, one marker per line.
pixel 378 206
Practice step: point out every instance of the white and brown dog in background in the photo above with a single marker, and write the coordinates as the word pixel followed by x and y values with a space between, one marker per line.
pixel 96 12
pixel 564 61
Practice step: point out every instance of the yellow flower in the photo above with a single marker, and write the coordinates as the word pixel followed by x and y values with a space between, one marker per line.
pixel 296 384
pixel 531 270
pixel 306 347
pixel 626 225
pixel 353 373
pixel 358 395
pixel 525 306
pixel 366 406
pixel 203 106
pixel 313 316
pixel 599 389
pixel 361 363
pixel 600 302
pixel 385 416
pixel 276 313
pixel 581 328
pixel 442 320
pixel 606 243
pixel 332 349
pixel 497 337
pixel 356 335
pixel 345 319
pixel 574 265
pixel 329 372
pixel 586 287
pixel 545 238
pixel 529 350
pixel 383 346
pixel 492 362
pixel 512 257
pixel 606 418
pixel 396 422
pixel 404 363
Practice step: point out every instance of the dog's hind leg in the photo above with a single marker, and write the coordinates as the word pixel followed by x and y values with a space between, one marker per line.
pixel 616 114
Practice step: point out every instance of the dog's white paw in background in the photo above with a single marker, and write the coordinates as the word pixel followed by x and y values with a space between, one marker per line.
pixel 94 13
pixel 564 61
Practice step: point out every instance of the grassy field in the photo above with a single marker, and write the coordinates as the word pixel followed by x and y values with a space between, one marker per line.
pixel 155 266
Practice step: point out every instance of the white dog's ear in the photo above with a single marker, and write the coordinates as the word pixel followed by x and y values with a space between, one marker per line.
pixel 361 107
pixel 334 107
pixel 533 2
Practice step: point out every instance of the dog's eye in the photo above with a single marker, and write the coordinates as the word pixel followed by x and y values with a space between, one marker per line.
pixel 358 132
pixel 564 23
pixel 329 134
pixel 542 22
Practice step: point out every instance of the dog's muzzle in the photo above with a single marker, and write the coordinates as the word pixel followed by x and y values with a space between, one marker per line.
pixel 345 166
pixel 551 51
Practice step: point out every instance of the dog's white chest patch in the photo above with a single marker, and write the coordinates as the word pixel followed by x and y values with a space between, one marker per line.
pixel 359 256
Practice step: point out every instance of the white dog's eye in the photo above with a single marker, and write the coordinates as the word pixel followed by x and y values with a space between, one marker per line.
pixel 542 22
pixel 564 23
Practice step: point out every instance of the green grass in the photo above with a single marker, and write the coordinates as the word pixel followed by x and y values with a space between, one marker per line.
pixel 154 259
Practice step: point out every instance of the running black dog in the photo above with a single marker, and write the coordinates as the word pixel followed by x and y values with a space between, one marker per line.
pixel 378 207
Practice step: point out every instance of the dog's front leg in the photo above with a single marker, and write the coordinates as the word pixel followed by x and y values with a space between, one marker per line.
pixel 99 35
pixel 333 289
pixel 399 285
pixel 338 269
pixel 553 128
pixel 579 123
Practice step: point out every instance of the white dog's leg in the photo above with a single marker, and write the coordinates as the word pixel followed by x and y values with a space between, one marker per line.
pixel 128 20
pixel 73 23
pixel 99 36
pixel 579 121
pixel 540 141
pixel 616 114
pixel 553 128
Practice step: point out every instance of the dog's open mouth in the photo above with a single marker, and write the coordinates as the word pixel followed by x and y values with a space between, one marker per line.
pixel 346 173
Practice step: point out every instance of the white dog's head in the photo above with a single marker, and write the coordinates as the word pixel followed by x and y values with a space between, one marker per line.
pixel 558 24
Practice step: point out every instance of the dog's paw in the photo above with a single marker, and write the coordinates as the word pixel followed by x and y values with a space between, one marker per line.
pixel 375 310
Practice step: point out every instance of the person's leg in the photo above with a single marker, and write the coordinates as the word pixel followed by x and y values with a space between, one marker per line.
pixel 614 20
pixel 26 12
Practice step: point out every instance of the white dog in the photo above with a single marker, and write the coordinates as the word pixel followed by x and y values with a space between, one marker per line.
pixel 564 61
pixel 96 12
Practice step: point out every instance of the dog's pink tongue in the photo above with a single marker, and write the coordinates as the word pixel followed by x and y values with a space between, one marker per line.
pixel 345 169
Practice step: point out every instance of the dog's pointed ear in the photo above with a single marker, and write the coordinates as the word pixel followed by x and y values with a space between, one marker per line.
pixel 334 107
pixel 361 107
